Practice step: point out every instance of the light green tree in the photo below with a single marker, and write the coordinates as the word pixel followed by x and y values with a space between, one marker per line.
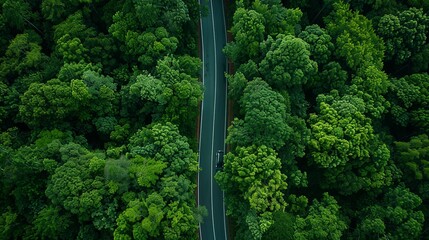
pixel 344 144
pixel 354 38
pixel 323 221
pixel 253 182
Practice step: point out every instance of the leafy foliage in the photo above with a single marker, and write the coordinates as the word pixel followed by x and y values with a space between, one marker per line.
pixel 322 222
pixel 354 37
pixel 404 33
pixel 70 75
pixel 348 78
pixel 408 96
pixel 160 170
pixel 99 100
pixel 264 120
pixel 321 46
pixel 396 217
pixel 248 31
pixel 287 61
pixel 344 143
pixel 411 157
pixel 253 175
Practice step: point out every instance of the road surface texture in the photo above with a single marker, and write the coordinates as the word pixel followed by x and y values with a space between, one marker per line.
pixel 213 119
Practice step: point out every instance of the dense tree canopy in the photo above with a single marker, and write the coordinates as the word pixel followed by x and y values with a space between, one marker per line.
pixel 323 221
pixel 343 142
pixel 98 104
pixel 264 120
pixel 248 32
pixel 99 101
pixel 355 39
pixel 349 81
pixel 287 61
pixel 404 33
pixel 321 47
pixel 253 181
pixel 395 217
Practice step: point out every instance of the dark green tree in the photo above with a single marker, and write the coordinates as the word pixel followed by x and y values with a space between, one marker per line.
pixel 330 76
pixel 23 55
pixel 149 46
pixel 396 217
pixel 371 85
pixel 321 47
pixel 404 33
pixel 79 186
pixel 160 202
pixel 163 142
pixel 52 223
pixel 282 228
pixel 248 30
pixel 264 121
pixel 172 94
pixel 286 62
pixel 18 14
pixel 411 158
pixel 236 84
pixel 75 26
pixel 253 22
pixel 409 98
pixel 278 19
pixel 47 104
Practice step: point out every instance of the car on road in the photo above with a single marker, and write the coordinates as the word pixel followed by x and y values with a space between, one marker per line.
pixel 219 160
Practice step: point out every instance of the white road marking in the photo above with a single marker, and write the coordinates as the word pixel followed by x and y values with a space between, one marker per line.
pixel 201 119
pixel 226 118
pixel 214 118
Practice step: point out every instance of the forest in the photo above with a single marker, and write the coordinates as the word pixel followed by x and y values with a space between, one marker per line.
pixel 100 99
pixel 97 109
pixel 331 120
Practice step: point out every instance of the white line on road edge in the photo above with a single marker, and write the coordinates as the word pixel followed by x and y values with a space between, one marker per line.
pixel 226 118
pixel 214 118
pixel 201 119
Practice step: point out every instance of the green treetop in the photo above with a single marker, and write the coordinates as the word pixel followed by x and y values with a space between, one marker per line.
pixel 343 143
pixel 395 217
pixel 323 221
pixel 248 31
pixel 355 40
pixel 404 33
pixel 321 47
pixel 286 62
pixel 253 184
pixel 264 120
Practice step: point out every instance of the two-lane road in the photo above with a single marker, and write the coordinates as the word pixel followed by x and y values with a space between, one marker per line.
pixel 213 119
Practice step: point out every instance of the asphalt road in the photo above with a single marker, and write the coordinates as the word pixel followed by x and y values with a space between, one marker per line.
pixel 213 119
